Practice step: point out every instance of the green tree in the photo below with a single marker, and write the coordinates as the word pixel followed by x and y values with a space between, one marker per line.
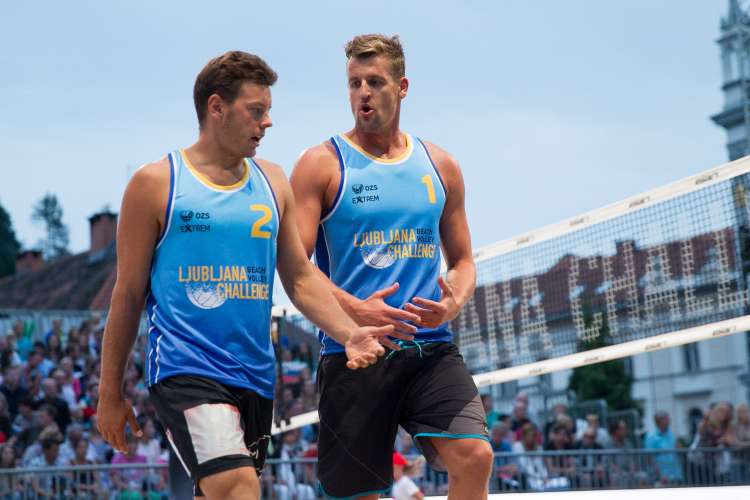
pixel 9 245
pixel 609 380
pixel 49 212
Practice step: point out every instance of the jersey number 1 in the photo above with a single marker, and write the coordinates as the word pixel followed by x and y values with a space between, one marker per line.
pixel 258 231
pixel 427 181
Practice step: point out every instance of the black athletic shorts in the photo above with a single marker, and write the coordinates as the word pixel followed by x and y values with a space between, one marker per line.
pixel 213 427
pixel 426 389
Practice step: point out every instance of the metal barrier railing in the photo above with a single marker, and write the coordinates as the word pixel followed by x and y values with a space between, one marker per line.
pixel 297 479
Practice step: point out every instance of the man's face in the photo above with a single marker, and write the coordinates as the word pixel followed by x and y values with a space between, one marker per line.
pixel 245 120
pixel 374 93
pixel 51 453
pixel 662 423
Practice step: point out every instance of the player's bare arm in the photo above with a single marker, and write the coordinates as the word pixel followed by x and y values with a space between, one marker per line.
pixel 308 290
pixel 458 285
pixel 140 223
pixel 315 181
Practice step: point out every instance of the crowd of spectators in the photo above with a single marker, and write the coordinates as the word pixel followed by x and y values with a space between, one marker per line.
pixel 49 395
pixel 583 453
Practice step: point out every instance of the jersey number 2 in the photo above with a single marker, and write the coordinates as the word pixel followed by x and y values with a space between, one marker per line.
pixel 258 231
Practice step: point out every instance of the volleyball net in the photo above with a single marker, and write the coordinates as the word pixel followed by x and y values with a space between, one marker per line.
pixel 658 270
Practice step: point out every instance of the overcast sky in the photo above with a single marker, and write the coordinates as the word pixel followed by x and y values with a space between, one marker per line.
pixel 552 107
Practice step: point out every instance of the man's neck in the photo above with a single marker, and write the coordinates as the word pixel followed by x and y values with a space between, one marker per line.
pixel 207 153
pixel 387 144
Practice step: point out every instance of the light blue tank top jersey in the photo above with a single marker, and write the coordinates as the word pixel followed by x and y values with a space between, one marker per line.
pixel 209 303
pixel 383 227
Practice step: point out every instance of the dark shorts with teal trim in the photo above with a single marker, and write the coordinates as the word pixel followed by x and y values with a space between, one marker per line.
pixel 427 390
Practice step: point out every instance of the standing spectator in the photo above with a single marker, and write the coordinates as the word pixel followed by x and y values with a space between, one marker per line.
pixel 404 488
pixel 12 389
pixel 52 397
pixel 668 469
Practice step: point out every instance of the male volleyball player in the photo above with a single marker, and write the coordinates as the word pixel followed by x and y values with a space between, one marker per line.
pixel 197 241
pixel 376 204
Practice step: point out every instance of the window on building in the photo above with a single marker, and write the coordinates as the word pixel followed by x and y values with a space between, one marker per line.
pixel 691 355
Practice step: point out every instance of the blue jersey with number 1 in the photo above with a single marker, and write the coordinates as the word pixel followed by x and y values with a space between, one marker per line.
pixel 384 227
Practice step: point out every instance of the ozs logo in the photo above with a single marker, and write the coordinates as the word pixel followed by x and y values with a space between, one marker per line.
pixel 358 188
pixel 186 215
pixel 364 193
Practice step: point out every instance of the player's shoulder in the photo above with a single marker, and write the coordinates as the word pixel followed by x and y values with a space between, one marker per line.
pixel 440 157
pixel 153 175
pixel 273 172
pixel 317 156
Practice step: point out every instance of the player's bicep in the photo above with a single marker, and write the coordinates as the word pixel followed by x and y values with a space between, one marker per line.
pixel 137 233
pixel 290 255
pixel 309 193
pixel 454 224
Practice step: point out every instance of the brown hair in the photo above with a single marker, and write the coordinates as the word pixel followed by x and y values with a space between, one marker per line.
pixel 364 46
pixel 224 75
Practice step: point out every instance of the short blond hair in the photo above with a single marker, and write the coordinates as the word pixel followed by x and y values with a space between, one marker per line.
pixel 364 46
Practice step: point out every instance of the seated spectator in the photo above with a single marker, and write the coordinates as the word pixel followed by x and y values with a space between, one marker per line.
pixel 6 429
pixel 288 480
pixel 52 397
pixel 44 424
pixel 592 422
pixel 102 449
pixel 10 487
pixel 8 355
pixel 85 484
pixel 667 466
pixel 505 469
pixel 559 410
pixel 49 484
pixel 38 360
pixel 148 444
pixel 489 410
pixel 130 483
pixel 74 436
pixel 532 468
pixel 590 467
pixel 623 472
pixel 560 466
pixel 12 389
pixel 404 488
pixel 519 414
pixel 54 348
pixel 25 417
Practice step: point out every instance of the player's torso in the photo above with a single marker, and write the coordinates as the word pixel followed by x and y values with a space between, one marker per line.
pixel 384 227
pixel 212 280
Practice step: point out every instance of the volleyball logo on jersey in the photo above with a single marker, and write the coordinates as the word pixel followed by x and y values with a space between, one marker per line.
pixel 210 286
pixel 383 247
